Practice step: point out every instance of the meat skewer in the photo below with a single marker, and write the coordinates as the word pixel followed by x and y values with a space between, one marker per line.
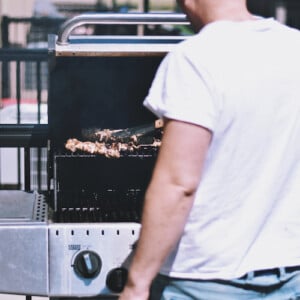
pixel 111 151
pixel 111 143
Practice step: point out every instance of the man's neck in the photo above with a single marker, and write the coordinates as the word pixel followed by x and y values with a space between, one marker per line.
pixel 208 11
pixel 228 10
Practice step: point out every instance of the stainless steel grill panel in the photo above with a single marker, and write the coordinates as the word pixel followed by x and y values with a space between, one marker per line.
pixel 113 243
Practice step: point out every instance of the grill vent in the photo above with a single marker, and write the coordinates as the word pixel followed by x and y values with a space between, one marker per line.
pixel 40 213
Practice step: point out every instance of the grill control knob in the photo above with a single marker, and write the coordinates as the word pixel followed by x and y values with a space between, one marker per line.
pixel 116 279
pixel 87 264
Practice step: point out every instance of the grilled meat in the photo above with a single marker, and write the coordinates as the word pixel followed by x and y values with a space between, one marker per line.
pixel 112 150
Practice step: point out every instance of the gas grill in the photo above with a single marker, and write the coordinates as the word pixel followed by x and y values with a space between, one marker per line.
pixel 76 239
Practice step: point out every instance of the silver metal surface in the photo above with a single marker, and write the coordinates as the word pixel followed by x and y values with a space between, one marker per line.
pixel 16 206
pixel 24 259
pixel 109 46
pixel 120 19
pixel 113 242
pixel 24 243
pixel 19 207
pixel 37 256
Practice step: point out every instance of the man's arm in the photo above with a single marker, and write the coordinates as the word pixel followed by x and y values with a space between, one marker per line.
pixel 168 201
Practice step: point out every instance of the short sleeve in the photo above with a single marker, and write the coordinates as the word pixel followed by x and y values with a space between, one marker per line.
pixel 184 90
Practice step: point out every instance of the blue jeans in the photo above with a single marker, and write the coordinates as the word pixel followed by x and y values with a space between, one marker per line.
pixel 275 284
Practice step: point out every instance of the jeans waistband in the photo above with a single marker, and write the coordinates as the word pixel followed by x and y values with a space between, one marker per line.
pixel 273 271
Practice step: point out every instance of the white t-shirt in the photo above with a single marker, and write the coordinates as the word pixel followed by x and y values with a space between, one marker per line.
pixel 242 81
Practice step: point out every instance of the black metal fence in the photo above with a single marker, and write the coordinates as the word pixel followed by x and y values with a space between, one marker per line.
pixel 37 29
pixel 23 121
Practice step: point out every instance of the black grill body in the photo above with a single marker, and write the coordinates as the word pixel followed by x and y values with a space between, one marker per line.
pixel 103 91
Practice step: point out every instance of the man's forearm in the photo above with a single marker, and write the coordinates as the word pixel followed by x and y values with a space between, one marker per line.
pixel 165 213
pixel 169 199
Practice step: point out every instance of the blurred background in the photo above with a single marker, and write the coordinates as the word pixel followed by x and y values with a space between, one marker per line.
pixel 27 23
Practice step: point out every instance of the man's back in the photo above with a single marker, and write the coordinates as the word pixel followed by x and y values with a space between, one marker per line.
pixel 244 81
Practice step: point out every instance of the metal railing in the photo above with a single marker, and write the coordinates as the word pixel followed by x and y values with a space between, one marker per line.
pixel 37 29
pixel 118 19
pixel 23 138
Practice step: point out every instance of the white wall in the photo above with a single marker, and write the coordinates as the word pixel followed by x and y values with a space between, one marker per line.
pixel 16 8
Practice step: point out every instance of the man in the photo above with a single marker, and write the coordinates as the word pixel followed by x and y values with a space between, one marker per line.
pixel 221 215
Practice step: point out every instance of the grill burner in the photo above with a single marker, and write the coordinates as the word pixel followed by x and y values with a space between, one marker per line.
pixel 110 206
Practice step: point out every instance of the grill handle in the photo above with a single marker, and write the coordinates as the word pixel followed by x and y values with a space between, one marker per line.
pixel 120 19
